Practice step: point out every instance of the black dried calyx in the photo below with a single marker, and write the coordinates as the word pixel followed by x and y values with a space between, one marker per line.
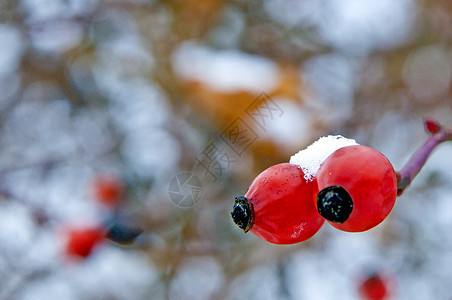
pixel 334 204
pixel 242 213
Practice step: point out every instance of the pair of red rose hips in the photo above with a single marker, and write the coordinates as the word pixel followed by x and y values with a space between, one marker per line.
pixel 82 240
pixel 108 190
pixel 354 189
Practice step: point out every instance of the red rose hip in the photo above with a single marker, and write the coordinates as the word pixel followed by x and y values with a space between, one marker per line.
pixel 108 189
pixel 357 188
pixel 374 287
pixel 82 241
pixel 278 206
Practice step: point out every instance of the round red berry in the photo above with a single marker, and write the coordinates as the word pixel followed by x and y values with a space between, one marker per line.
pixel 82 241
pixel 357 188
pixel 278 206
pixel 374 287
pixel 108 189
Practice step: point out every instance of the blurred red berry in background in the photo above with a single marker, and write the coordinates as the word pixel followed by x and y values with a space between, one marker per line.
pixel 374 287
pixel 108 189
pixel 82 241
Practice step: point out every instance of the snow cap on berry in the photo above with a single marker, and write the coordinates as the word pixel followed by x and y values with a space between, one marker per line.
pixel 310 159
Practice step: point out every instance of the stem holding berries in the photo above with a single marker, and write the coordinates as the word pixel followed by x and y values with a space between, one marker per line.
pixel 439 134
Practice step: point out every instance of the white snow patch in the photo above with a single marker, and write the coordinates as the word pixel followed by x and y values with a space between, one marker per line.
pixel 198 278
pixel 225 70
pixel 291 129
pixel 310 159
pixel 58 37
pixel 361 26
pixel 298 229
pixel 11 50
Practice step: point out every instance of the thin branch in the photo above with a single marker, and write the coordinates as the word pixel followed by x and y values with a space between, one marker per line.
pixel 438 134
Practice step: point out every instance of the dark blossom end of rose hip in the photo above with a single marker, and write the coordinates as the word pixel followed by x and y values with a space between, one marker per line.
pixel 334 204
pixel 123 234
pixel 242 213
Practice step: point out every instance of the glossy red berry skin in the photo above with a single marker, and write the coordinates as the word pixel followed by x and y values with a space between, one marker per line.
pixel 374 287
pixel 108 189
pixel 82 241
pixel 369 179
pixel 281 205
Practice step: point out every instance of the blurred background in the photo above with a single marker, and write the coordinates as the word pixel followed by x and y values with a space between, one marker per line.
pixel 184 103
